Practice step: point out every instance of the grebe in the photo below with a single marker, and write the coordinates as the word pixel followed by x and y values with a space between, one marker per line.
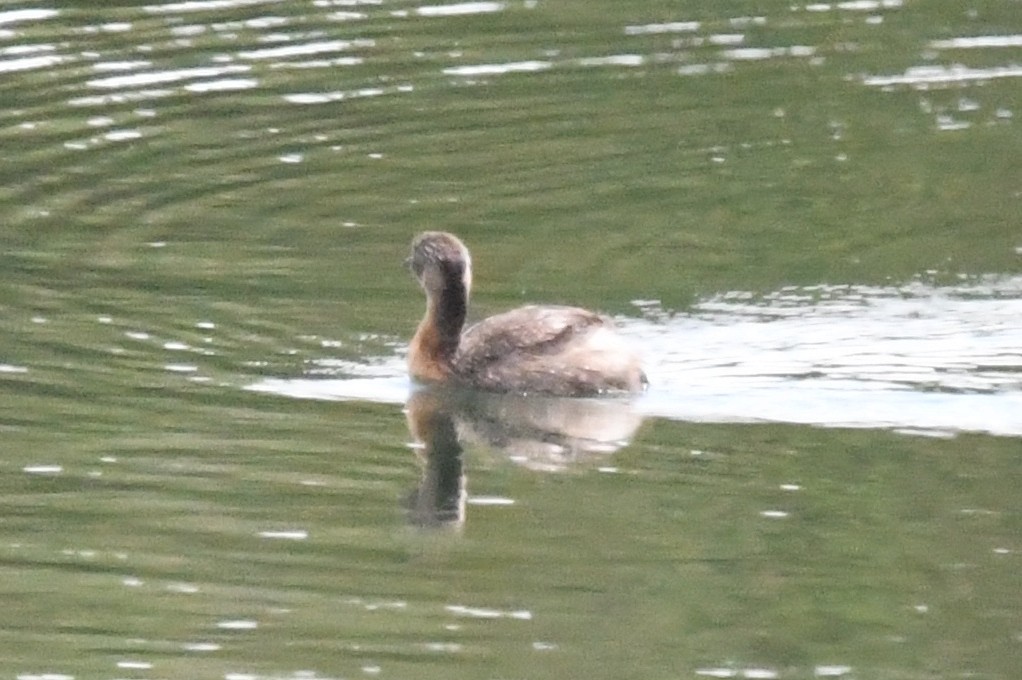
pixel 562 351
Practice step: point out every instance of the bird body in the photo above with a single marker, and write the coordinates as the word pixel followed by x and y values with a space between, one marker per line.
pixel 553 350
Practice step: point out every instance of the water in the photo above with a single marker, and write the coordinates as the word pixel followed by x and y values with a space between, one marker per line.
pixel 806 215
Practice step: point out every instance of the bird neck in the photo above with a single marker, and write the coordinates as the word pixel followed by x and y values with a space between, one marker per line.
pixel 449 310
pixel 436 340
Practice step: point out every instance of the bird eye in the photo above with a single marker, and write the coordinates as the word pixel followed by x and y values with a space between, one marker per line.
pixel 415 265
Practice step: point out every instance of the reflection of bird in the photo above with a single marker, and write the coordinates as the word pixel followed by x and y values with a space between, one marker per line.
pixel 439 499
pixel 545 433
pixel 538 432
pixel 563 351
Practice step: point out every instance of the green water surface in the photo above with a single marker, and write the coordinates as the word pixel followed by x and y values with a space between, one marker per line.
pixel 169 241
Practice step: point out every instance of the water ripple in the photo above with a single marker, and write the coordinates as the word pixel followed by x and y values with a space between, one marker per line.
pixel 16 15
pixel 913 356
pixel 204 5
pixel 920 76
pixel 460 8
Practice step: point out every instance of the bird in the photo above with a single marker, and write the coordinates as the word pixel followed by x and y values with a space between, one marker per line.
pixel 537 349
